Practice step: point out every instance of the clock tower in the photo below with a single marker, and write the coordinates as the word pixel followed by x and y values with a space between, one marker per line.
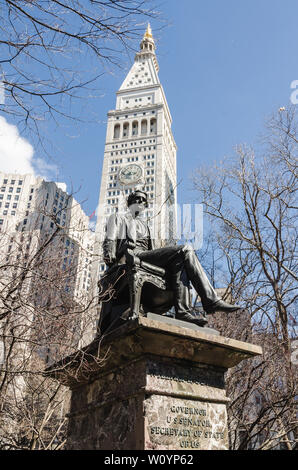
pixel 140 151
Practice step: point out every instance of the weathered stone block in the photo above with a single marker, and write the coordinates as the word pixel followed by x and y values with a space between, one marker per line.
pixel 151 385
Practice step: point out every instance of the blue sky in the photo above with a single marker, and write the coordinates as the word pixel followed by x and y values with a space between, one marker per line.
pixel 225 67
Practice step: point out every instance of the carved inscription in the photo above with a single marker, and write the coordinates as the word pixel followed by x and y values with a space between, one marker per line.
pixel 192 375
pixel 191 425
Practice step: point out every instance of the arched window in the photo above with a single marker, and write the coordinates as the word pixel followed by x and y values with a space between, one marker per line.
pixel 125 129
pixel 117 131
pixel 144 127
pixel 135 128
pixel 153 126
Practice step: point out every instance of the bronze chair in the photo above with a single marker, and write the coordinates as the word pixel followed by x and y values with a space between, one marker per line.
pixel 132 289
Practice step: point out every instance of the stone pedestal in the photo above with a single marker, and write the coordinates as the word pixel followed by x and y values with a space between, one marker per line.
pixel 151 384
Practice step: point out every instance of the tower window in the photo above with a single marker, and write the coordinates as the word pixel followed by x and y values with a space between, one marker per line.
pixel 117 131
pixel 125 129
pixel 135 126
pixel 144 127
pixel 153 126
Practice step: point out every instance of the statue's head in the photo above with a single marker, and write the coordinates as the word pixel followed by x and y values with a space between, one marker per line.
pixel 137 202
pixel 137 197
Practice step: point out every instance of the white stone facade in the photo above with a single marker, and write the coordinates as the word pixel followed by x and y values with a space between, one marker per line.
pixel 31 207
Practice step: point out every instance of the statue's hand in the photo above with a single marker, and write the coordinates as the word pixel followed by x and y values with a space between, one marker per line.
pixel 109 261
pixel 131 245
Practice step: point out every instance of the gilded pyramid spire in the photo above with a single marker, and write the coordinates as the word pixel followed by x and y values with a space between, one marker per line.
pixel 148 33
pixel 147 43
pixel 147 47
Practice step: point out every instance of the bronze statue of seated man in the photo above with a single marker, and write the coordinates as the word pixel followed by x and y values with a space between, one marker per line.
pixel 180 261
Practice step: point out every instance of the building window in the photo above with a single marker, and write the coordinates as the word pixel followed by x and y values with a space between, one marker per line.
pixel 135 125
pixel 125 129
pixel 144 127
pixel 153 126
pixel 117 131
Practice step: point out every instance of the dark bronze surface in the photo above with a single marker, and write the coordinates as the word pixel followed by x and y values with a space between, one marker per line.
pixel 150 280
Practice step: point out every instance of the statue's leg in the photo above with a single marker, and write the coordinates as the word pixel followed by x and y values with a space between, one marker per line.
pixel 180 285
pixel 172 259
pixel 198 277
pixel 178 258
pixel 135 288
pixel 163 257
pixel 210 300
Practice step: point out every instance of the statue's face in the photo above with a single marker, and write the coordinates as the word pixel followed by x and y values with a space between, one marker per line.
pixel 137 205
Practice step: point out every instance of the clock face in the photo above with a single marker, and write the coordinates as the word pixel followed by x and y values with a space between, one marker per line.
pixel 130 174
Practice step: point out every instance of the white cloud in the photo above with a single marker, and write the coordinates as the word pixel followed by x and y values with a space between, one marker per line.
pixel 44 169
pixel 16 154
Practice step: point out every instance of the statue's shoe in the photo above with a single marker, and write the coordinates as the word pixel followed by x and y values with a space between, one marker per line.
pixel 221 306
pixel 188 317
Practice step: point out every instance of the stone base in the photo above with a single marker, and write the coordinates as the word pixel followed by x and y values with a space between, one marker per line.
pixel 181 323
pixel 151 385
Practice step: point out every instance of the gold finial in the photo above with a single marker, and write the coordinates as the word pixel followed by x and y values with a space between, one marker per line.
pixel 148 33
